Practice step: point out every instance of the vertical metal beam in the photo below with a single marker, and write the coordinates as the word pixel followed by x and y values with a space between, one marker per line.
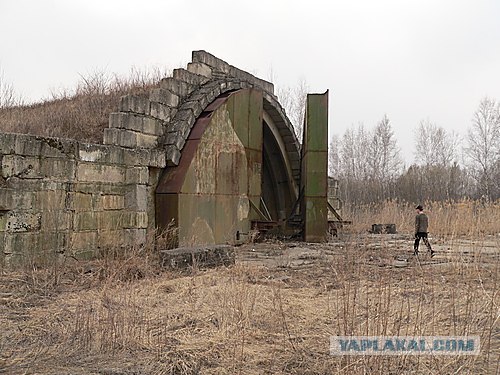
pixel 314 168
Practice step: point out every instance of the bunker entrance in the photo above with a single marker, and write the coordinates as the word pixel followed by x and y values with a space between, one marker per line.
pixel 276 192
pixel 233 175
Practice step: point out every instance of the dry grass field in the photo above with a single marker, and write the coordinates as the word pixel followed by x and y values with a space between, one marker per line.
pixel 83 112
pixel 271 313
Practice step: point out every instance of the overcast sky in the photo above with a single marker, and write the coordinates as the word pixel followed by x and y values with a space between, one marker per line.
pixel 409 59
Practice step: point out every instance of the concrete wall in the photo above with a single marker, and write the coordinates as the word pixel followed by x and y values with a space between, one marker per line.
pixel 62 197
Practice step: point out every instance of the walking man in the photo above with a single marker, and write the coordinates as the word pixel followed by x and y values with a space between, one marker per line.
pixel 421 224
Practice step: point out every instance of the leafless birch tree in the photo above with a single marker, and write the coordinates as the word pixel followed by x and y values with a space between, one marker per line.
pixel 483 147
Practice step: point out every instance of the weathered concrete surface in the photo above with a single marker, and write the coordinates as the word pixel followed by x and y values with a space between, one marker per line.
pixel 314 168
pixel 198 257
pixel 208 194
pixel 60 197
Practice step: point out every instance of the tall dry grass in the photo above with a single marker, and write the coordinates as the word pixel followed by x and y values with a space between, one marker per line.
pixel 464 218
pixel 254 320
pixel 81 113
pixel 122 314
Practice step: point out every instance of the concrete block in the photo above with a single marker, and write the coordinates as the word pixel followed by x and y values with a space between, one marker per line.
pixel 136 198
pixel 137 175
pixel 120 120
pixel 21 243
pixel 141 220
pixel 176 86
pixel 61 169
pixel 136 156
pixel 163 96
pixel 105 220
pixel 23 200
pixel 3 223
pixel 128 138
pixel 115 220
pixel 140 140
pixel 23 184
pixel 194 106
pixel 184 119
pixel 6 199
pixel 145 157
pixel 231 85
pixel 20 166
pixel 87 172
pixel 28 145
pixel 134 103
pixel 198 257
pixel 80 201
pixel 23 222
pixel 100 153
pixel 157 159
pixel 84 221
pixel 173 155
pixel 171 137
pixel 56 220
pixel 112 202
pixel 210 60
pixel 136 123
pixel 209 93
pixel 203 99
pixel 152 126
pixel 200 69
pixel 183 124
pixel 8 143
pixel 53 242
pixel 254 81
pixel 99 188
pixel 83 241
pixel 188 77
pixel 112 220
pixel 110 136
pixel 112 239
pixel 161 111
pixel 49 200
pixel 247 85
pixel 58 148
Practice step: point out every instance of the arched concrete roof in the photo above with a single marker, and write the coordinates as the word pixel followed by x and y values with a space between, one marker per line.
pixel 164 119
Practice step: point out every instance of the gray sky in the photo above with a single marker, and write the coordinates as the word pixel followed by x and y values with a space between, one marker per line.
pixel 410 59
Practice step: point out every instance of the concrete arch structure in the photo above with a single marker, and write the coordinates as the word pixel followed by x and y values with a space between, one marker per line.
pixel 194 93
pixel 61 197
pixel 252 183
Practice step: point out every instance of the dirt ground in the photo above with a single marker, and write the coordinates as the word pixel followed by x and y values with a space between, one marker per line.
pixel 271 313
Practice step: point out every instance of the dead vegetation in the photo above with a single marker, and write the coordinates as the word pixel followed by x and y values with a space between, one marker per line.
pixel 122 314
pixel 81 113
pixel 467 217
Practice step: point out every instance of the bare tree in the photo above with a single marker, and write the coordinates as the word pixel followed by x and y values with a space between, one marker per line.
pixel 8 97
pixel 383 160
pixel 354 152
pixel 436 166
pixel 333 157
pixel 352 166
pixel 435 146
pixel 483 147
pixel 293 100
pixel 385 156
